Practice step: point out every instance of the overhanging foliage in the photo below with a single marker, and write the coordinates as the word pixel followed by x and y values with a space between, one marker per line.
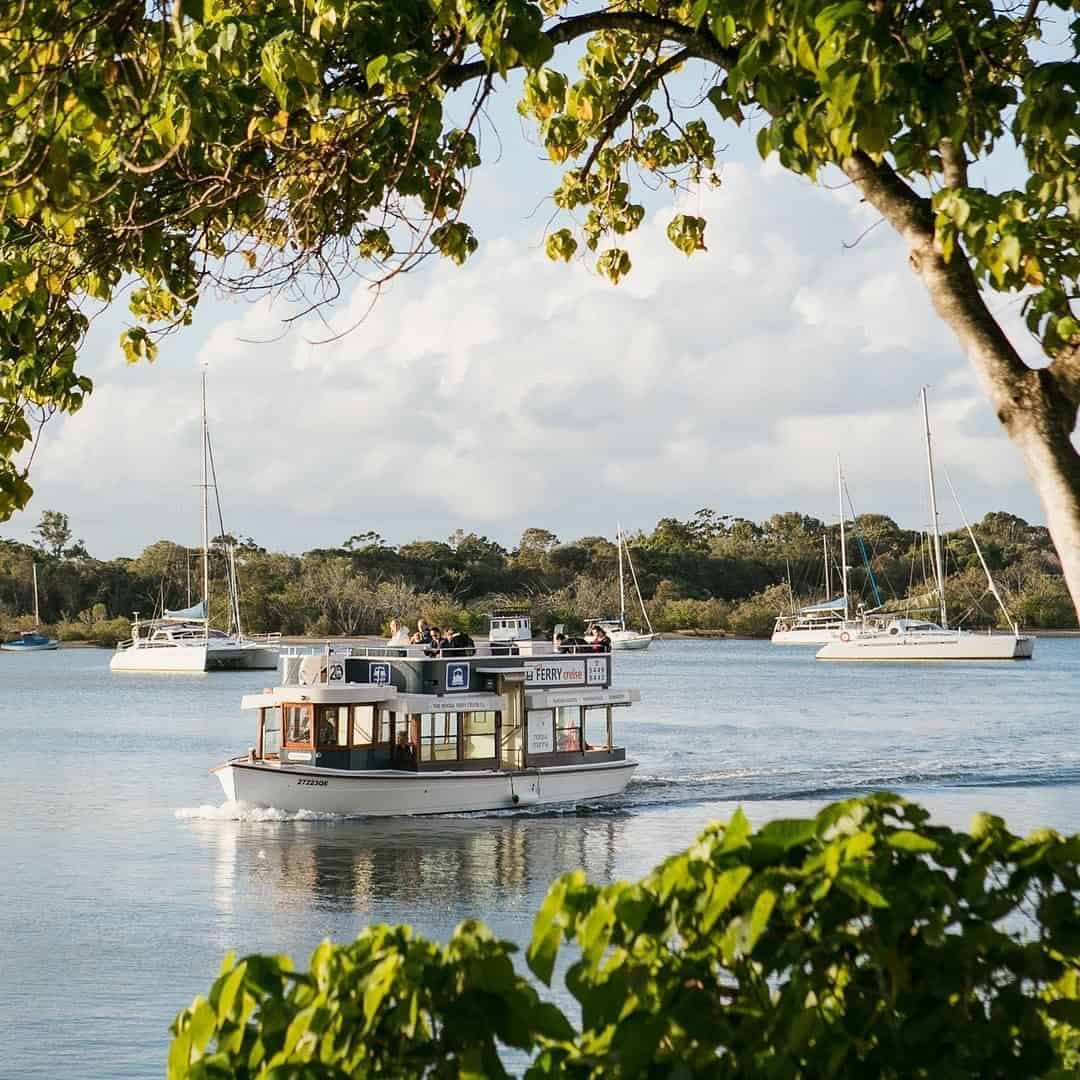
pixel 865 941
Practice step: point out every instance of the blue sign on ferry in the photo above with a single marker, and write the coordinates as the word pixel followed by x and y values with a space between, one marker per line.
pixel 457 676
pixel 379 674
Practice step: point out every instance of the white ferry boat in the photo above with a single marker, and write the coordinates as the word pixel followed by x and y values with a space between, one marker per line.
pixel 410 730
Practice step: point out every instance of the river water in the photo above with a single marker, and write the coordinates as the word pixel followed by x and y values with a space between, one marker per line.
pixel 123 880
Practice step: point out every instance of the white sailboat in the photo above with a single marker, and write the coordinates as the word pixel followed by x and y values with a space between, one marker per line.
pixel 904 639
pixel 622 637
pixel 184 641
pixel 31 640
pixel 818 623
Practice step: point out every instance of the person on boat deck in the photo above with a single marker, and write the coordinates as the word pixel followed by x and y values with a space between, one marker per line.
pixel 568 644
pixel 434 642
pixel 399 635
pixel 600 641
pixel 422 635
pixel 458 643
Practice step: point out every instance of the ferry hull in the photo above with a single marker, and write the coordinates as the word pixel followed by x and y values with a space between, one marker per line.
pixel 388 793
pixel 958 646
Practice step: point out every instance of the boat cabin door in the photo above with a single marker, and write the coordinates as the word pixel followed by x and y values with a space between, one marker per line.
pixel 512 731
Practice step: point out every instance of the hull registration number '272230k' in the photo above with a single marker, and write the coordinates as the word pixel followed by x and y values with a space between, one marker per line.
pixel 311 783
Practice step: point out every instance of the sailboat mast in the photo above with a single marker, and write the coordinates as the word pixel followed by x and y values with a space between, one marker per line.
pixel 828 575
pixel 622 585
pixel 205 508
pixel 939 567
pixel 843 539
pixel 37 616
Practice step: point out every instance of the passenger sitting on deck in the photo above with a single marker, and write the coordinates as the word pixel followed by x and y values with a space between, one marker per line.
pixel 399 635
pixel 458 643
pixel 560 643
pixel 422 635
pixel 434 642
pixel 600 641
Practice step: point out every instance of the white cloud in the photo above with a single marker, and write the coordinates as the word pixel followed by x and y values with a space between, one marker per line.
pixel 515 392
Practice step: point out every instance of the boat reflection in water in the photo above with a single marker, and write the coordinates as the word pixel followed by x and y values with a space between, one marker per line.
pixel 434 870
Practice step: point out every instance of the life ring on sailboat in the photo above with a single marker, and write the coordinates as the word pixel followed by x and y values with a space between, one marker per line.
pixel 782 628
pixel 844 635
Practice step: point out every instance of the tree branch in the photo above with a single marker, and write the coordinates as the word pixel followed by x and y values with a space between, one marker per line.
pixel 619 115
pixel 697 43
pixel 954 164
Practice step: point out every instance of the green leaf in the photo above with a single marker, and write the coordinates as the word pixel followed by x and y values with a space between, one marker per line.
pixel 785 833
pixel 614 264
pixel 375 68
pixel 759 918
pixel 859 889
pixel 724 891
pixel 907 840
pixel 561 245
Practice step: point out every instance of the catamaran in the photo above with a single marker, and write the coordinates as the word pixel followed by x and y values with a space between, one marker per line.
pixel 31 640
pixel 622 636
pixel 415 730
pixel 183 640
pixel 903 639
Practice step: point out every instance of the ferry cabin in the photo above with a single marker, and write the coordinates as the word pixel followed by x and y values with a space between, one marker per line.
pixel 493 729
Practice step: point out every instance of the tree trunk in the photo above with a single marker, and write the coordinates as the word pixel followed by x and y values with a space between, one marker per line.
pixel 1036 406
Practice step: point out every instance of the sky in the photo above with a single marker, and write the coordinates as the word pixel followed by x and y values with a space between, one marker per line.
pixel 514 392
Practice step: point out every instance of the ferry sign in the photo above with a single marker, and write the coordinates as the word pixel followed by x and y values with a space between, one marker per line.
pixel 584 672
pixel 457 676
pixel 554 672
pixel 379 674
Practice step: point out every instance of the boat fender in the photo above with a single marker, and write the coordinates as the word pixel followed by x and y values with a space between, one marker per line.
pixel 782 628
pixel 844 635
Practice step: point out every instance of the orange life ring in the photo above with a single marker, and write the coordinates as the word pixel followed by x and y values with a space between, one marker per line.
pixel 844 635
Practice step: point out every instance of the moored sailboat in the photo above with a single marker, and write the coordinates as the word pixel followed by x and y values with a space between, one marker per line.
pixel 184 640
pixel 621 635
pixel 904 639
pixel 31 640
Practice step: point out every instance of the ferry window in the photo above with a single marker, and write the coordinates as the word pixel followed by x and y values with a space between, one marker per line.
pixel 386 723
pixel 596 727
pixel 334 726
pixel 568 727
pixel 478 734
pixel 363 725
pixel 298 724
pixel 271 738
pixel 438 736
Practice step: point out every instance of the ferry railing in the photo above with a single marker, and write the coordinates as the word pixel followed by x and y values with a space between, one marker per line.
pixel 428 652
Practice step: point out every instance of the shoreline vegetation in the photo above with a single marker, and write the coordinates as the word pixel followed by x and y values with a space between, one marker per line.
pixel 708 576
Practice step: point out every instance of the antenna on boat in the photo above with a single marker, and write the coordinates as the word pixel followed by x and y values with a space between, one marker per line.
pixel 939 568
pixel 37 615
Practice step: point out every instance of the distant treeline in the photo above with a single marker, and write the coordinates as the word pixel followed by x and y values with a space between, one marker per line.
pixel 711 572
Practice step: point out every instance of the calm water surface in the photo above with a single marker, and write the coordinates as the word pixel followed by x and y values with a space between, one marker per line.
pixel 123 880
